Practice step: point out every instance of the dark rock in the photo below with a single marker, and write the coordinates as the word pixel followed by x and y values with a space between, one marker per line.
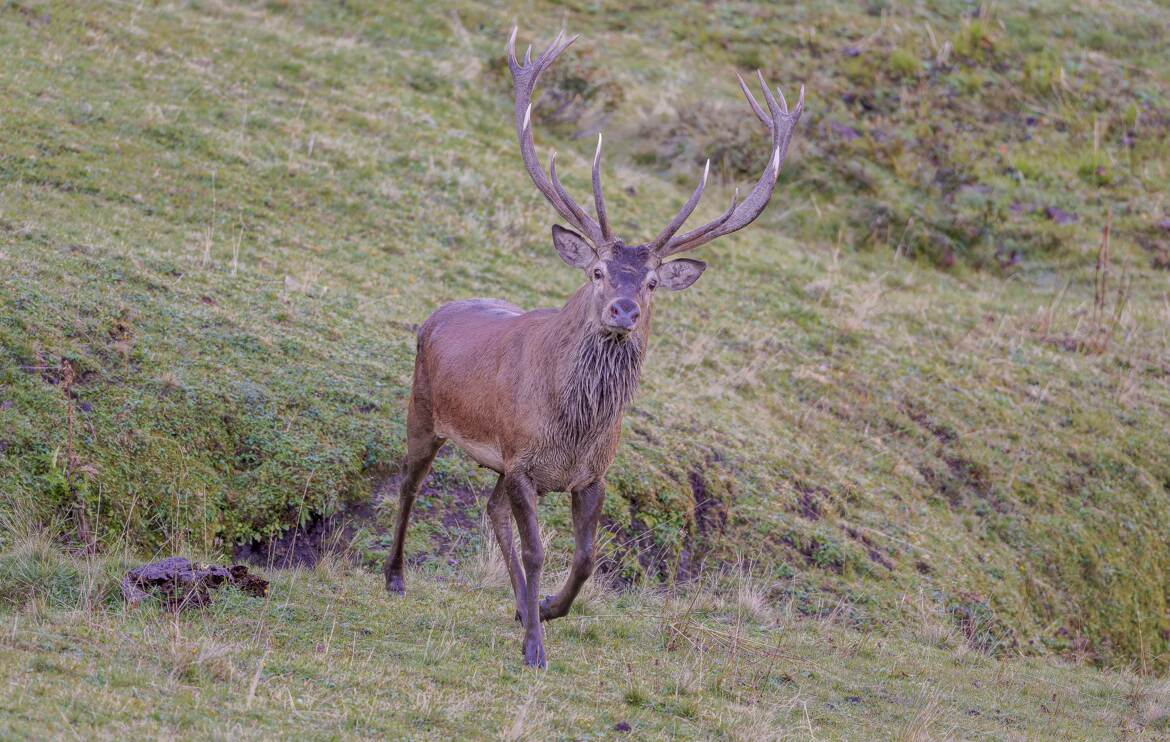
pixel 1060 216
pixel 839 130
pixel 1008 258
pixel 622 726
pixel 181 583
pixel 250 584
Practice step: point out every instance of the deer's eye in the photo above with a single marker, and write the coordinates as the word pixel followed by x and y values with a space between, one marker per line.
pixel 597 274
pixel 653 284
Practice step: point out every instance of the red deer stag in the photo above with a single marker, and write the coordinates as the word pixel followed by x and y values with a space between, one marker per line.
pixel 538 396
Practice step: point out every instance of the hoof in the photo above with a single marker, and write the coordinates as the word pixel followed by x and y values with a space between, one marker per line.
pixel 534 653
pixel 395 585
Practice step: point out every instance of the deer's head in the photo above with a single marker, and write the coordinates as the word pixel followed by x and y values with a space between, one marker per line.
pixel 625 277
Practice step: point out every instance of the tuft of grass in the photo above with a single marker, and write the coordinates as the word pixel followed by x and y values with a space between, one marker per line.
pixel 1043 73
pixel 636 697
pixel 904 63
pixel 974 42
pixel 34 573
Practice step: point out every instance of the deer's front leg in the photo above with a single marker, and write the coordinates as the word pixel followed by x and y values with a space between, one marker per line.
pixel 522 495
pixel 587 503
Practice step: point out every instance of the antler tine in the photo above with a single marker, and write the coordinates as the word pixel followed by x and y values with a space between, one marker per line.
pixel 751 99
pixel 781 123
pixel 708 227
pixel 683 214
pixel 579 216
pixel 598 198
pixel 773 107
pixel 524 79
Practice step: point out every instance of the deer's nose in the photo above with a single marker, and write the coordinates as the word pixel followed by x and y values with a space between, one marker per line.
pixel 623 314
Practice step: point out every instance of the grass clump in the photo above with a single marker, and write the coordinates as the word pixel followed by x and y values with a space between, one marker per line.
pixel 1096 170
pixel 904 63
pixel 974 43
pixel 1043 73
pixel 37 575
pixel 35 572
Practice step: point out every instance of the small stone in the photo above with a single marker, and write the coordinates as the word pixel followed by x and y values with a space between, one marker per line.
pixel 840 130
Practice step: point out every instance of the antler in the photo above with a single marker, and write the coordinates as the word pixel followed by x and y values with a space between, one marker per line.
pixel 524 79
pixel 780 122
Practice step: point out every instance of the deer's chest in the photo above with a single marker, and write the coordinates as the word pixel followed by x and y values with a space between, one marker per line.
pixel 562 468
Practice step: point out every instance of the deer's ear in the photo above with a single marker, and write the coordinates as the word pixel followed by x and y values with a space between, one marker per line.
pixel 572 247
pixel 677 275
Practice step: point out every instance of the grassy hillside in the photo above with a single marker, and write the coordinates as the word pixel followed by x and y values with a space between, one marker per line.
pixel 329 655
pixel 221 222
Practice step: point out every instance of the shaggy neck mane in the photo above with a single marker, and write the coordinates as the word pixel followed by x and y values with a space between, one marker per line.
pixel 601 380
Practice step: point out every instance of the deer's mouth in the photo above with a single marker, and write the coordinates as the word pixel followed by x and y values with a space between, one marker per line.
pixel 617 332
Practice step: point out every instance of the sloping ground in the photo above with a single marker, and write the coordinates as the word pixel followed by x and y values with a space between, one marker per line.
pixel 330 655
pixel 220 223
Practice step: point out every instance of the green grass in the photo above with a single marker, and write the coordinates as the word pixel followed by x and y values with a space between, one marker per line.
pixel 228 219
pixel 329 655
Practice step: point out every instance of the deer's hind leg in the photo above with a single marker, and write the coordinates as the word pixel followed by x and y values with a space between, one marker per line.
pixel 499 509
pixel 421 446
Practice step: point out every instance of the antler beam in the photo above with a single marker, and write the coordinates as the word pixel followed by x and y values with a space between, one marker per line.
pixel 524 78
pixel 781 122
